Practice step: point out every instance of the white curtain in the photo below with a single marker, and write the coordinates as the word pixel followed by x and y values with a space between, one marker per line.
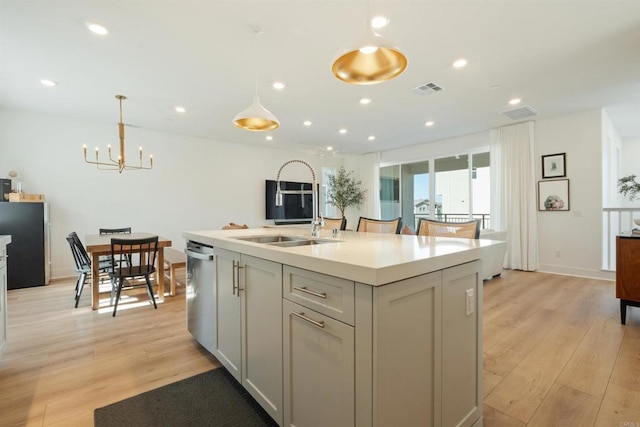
pixel 370 177
pixel 513 193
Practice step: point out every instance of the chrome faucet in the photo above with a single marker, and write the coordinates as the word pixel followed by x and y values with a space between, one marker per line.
pixel 315 224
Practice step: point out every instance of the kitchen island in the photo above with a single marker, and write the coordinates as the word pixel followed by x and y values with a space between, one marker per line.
pixel 359 329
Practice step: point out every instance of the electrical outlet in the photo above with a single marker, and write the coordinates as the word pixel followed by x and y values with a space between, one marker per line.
pixel 469 301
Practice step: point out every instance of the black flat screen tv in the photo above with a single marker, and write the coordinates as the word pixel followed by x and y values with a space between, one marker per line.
pixel 295 209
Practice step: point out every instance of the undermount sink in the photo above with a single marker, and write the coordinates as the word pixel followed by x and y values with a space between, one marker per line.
pixel 292 243
pixel 272 239
pixel 284 241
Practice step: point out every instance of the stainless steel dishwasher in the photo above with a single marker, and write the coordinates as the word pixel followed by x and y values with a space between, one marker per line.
pixel 200 293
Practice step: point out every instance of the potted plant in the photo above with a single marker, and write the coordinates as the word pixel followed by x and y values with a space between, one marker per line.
pixel 629 187
pixel 344 191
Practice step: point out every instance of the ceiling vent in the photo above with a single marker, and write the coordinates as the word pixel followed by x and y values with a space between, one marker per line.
pixel 427 89
pixel 520 112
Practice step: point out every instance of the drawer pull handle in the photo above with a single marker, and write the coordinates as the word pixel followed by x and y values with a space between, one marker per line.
pixel 319 324
pixel 310 292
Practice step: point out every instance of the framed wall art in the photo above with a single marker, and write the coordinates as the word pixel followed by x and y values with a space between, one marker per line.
pixel 553 195
pixel 554 165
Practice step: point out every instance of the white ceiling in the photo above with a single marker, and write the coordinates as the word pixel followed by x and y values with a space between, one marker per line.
pixel 558 56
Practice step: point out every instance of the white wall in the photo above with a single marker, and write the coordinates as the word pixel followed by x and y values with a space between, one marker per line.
pixel 630 165
pixel 195 184
pixel 473 143
pixel 570 242
pixel 574 235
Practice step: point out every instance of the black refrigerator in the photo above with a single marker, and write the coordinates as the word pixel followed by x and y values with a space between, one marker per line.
pixel 28 254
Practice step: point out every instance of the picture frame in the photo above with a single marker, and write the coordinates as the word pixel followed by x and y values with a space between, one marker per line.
pixel 554 165
pixel 553 195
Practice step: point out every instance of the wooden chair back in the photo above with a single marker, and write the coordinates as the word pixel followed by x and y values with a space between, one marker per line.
pixel 379 225
pixel 133 257
pixel 331 223
pixel 465 229
pixel 125 230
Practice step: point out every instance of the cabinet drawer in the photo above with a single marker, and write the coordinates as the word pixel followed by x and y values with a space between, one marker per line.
pixel 328 295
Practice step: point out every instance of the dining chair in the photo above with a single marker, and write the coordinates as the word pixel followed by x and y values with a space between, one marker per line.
pixel 133 259
pixel 105 231
pixel 83 263
pixel 379 225
pixel 124 230
pixel 331 223
pixel 464 229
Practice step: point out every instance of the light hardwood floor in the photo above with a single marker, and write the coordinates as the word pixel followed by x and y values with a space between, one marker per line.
pixel 554 354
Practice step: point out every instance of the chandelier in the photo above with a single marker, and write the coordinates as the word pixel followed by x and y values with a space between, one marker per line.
pixel 118 164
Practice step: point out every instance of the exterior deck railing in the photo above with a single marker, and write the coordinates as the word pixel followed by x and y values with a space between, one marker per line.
pixel 485 219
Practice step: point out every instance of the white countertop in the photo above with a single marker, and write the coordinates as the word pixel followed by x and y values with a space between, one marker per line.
pixel 370 258
pixel 5 240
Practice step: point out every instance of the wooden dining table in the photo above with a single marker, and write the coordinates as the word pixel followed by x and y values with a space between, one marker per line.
pixel 100 244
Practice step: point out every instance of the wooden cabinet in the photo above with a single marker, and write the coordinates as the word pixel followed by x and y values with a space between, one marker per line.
pixel 3 294
pixel 228 338
pixel 249 325
pixel 319 366
pixel 411 354
pixel 407 337
pixel 261 296
pixel 627 272
pixel 461 345
pixel 318 350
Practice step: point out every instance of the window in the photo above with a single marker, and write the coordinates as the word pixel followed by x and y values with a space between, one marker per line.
pixel 454 188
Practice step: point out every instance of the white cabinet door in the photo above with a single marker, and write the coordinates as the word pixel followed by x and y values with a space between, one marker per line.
pixel 228 342
pixel 406 344
pixel 461 345
pixel 319 385
pixel 261 292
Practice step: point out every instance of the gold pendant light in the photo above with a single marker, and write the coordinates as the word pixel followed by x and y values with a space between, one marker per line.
pixel 372 60
pixel 256 117
pixel 118 164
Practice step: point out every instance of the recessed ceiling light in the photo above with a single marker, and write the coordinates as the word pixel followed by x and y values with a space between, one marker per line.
pixel 379 21
pixel 342 131
pixel 329 148
pixel 459 63
pixel 365 101
pixel 515 101
pixel 371 138
pixel 180 109
pixel 278 85
pixel 269 138
pixel 98 29
pixel 48 82
pixel 307 123
pixel 429 123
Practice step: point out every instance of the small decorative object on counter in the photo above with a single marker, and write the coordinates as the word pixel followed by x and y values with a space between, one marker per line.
pixel 26 197
pixel 234 226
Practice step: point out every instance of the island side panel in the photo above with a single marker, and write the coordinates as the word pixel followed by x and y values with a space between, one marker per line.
pixel 407 342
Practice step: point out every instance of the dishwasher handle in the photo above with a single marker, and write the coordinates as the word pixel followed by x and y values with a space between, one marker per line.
pixel 197 255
